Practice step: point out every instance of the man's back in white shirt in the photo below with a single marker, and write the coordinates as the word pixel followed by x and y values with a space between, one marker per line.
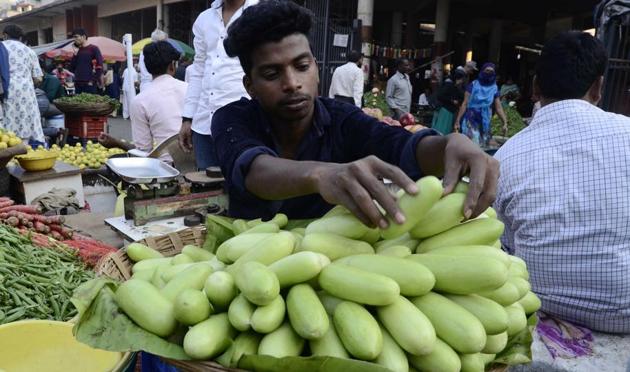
pixel 347 81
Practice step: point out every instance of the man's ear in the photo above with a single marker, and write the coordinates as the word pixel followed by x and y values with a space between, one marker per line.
pixel 594 94
pixel 247 83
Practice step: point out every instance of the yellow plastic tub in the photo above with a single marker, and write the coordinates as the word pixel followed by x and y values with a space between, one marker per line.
pixel 37 161
pixel 44 345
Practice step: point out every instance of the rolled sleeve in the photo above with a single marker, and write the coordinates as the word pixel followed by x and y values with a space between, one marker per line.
pixel 408 159
pixel 243 162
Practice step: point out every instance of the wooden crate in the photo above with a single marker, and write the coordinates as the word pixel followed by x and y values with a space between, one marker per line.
pixel 85 126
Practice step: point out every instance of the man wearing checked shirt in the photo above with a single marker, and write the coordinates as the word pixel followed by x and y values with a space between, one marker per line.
pixel 214 79
pixel 563 190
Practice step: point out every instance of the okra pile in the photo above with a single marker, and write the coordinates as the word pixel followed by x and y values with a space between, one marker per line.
pixel 36 282
pixel 435 293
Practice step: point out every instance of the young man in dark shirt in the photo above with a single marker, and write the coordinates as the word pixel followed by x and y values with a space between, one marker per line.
pixel 289 151
pixel 87 64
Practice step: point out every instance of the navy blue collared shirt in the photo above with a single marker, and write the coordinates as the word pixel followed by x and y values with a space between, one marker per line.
pixel 340 133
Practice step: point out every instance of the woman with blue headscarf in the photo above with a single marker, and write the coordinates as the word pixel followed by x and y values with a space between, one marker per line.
pixel 473 119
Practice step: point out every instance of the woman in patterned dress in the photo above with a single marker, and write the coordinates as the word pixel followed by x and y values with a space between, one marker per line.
pixel 21 113
pixel 474 115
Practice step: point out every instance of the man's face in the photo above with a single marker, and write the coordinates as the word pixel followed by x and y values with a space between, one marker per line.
pixel 404 67
pixel 284 78
pixel 79 40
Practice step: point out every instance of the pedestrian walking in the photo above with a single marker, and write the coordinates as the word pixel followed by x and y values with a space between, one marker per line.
pixel 398 92
pixel 347 81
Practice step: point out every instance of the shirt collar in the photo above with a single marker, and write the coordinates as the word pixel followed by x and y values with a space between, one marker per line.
pixel 548 113
pixel 216 4
pixel 163 77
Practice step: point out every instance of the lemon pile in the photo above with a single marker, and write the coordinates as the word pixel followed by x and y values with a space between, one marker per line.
pixel 8 139
pixel 94 155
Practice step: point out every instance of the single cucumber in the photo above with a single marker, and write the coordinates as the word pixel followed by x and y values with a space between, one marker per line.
pixel 483 231
pixel 415 207
pixel 464 274
pixel 521 285
pixel 146 306
pixel 267 251
pixel 336 211
pixel 169 272
pixel 448 212
pixel 530 302
pixel 334 246
pixel 411 329
pixel 505 295
pixel 453 323
pixel 517 319
pixel 209 338
pixel 474 250
pixel 412 277
pixel 392 357
pixel 299 267
pixel 196 253
pixel 461 187
pixel 442 359
pixel 267 319
pixel 299 231
pixel 240 313
pixel 157 280
pixel 192 307
pixel 246 343
pixel 239 226
pixel 371 236
pixel 239 244
pixel 488 358
pixel 220 289
pixel 265 227
pixel 306 313
pixel 518 270
pixel 329 301
pixel 257 283
pixel 358 285
pixel 495 343
pixel 497 244
pixel 358 330
pixel 280 219
pixel 151 263
pixel 345 225
pixel 491 212
pixel 472 362
pixel 181 258
pixel 395 251
pixel 329 345
pixel 138 252
pixel 145 275
pixel 193 277
pixel 404 239
pixel 490 314
pixel 283 342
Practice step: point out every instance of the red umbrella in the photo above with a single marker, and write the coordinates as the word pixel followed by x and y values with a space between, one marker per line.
pixel 110 49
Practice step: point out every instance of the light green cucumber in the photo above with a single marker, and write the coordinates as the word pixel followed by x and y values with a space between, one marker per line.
pixel 352 284
pixel 345 225
pixel 220 289
pixel 483 231
pixel 411 329
pixel 181 258
pixel 358 331
pixel 209 338
pixel 283 342
pixel 196 253
pixel 191 307
pixel 490 314
pixel 328 345
pixel 530 302
pixel 146 306
pixel 306 313
pixel 495 343
pixel 442 359
pixel 299 267
pixel 472 362
pixel 448 212
pixel 257 283
pixel 267 319
pixel 138 252
pixel 334 246
pixel 392 357
pixel 240 313
pixel 193 277
pixel 239 244
pixel 395 251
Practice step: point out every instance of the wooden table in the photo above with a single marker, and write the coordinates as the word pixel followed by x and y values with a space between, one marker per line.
pixel 34 184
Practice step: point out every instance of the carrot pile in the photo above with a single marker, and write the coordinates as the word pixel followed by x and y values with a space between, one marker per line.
pixel 29 221
pixel 29 217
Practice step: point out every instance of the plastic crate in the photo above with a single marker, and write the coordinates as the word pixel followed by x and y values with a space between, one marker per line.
pixel 85 126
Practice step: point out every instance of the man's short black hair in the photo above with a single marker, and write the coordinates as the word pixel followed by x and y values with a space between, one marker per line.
pixel 158 56
pixel 79 31
pixel 354 56
pixel 267 21
pixel 13 31
pixel 569 65
pixel 400 61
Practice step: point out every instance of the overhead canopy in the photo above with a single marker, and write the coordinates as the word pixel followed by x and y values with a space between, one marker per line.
pixel 41 49
pixel 111 50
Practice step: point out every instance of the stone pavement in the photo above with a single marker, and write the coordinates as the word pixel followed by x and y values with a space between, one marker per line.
pixel 119 127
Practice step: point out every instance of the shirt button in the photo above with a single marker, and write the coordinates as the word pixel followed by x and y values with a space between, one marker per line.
pixel 213 73
pixel 212 112
pixel 211 93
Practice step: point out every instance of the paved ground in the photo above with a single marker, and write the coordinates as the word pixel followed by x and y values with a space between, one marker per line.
pixel 119 128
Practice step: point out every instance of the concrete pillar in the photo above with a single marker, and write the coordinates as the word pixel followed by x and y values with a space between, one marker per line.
pixel 397 26
pixel 365 13
pixel 165 17
pixel 439 38
pixel 41 37
pixel 159 22
pixel 494 50
pixel 105 27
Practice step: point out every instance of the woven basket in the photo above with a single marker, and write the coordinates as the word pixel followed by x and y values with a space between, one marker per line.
pixel 118 266
pixel 96 108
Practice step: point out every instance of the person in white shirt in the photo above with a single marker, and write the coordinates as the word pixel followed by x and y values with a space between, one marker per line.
pixel 214 79
pixel 145 75
pixel 156 112
pixel 347 81
pixel 423 100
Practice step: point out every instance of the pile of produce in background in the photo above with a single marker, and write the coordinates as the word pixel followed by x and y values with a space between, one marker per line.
pixel 515 123
pixel 87 99
pixel 434 293
pixel 36 282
